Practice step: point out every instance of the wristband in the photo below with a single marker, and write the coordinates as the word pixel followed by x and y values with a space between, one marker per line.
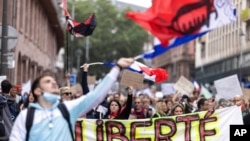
pixel 119 66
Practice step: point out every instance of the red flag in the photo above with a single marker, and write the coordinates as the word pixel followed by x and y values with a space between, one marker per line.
pixel 159 73
pixel 79 29
pixel 168 18
pixel 154 74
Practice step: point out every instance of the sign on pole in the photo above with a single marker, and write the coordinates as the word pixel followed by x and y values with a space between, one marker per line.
pixel 72 79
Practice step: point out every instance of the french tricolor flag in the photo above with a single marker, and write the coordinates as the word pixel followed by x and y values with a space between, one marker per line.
pixel 153 74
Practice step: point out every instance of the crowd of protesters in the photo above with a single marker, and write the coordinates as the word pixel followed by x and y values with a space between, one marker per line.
pixel 100 104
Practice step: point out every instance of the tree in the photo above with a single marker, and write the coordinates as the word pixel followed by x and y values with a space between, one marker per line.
pixel 115 36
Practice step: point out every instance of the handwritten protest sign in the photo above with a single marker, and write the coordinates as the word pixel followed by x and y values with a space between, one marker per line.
pixel 228 87
pixel 184 86
pixel 130 78
pixel 202 126
pixel 91 79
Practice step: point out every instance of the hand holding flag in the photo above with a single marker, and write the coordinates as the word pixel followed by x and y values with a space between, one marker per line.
pixel 153 74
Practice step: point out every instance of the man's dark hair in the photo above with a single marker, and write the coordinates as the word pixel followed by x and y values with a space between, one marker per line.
pixel 6 86
pixel 49 72
pixel 201 102
pixel 36 84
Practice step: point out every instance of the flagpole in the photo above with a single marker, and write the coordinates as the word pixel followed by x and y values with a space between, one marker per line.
pixel 241 54
pixel 72 38
pixel 67 51
pixel 138 57
pixel 95 63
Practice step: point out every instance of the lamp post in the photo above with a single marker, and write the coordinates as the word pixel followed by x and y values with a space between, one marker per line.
pixel 87 46
pixel 78 54
pixel 241 34
pixel 4 42
pixel 72 48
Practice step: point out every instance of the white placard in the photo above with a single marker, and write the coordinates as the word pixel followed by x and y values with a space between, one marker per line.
pixel 167 89
pixel 26 87
pixel 3 77
pixel 184 86
pixel 228 87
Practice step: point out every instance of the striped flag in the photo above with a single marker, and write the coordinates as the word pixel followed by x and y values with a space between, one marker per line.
pixel 177 22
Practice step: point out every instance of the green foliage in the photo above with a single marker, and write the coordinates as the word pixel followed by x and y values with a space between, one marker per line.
pixel 115 36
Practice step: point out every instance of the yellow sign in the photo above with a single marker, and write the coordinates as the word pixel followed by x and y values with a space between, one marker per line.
pixel 202 126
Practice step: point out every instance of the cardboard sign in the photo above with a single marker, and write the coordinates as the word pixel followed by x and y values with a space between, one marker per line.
pixel 91 79
pixel 184 86
pixel 228 87
pixel 130 78
pixel 72 79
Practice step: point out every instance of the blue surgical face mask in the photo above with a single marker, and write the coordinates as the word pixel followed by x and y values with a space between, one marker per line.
pixel 50 97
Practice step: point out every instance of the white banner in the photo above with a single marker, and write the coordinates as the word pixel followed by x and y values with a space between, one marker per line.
pixel 203 126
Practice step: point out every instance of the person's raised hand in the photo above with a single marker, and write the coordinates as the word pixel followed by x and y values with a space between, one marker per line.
pixel 85 67
pixel 125 62
pixel 67 75
pixel 130 90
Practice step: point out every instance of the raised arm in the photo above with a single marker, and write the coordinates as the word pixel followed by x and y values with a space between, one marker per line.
pixel 126 112
pixel 85 87
pixel 85 103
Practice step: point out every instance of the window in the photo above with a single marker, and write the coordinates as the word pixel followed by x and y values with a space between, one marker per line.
pixel 203 50
pixel 248 32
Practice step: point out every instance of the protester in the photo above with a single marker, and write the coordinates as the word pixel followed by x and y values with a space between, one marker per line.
pixel 117 96
pixel 159 112
pixel 65 94
pixel 29 100
pixel 6 122
pixel 177 109
pixel 138 111
pixel 169 106
pixel 48 120
pixel 117 111
pixel 6 86
pixel 202 105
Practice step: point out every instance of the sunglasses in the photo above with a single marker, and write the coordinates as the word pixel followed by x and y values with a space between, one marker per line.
pixel 67 94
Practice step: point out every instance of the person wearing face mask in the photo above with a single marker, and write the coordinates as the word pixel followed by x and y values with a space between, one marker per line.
pixel 48 122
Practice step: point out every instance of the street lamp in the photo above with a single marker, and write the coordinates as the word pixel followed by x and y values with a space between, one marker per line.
pixel 87 46
pixel 78 54
pixel 241 34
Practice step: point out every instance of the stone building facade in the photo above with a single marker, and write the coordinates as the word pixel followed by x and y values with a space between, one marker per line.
pixel 40 30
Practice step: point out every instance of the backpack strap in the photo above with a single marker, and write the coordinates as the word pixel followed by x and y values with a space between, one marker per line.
pixel 29 121
pixel 66 116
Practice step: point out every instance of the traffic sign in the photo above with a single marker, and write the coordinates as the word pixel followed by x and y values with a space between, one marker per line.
pixel 72 79
pixel 12 37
